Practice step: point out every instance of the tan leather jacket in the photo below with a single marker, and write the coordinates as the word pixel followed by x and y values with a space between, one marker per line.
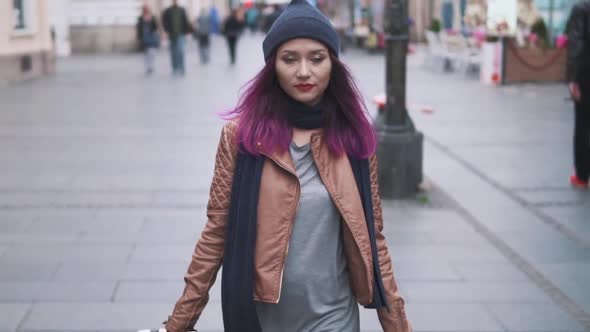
pixel 279 196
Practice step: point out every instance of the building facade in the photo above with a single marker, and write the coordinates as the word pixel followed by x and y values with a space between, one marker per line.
pixel 26 47
pixel 107 26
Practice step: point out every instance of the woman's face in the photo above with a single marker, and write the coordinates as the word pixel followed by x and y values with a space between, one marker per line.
pixel 303 69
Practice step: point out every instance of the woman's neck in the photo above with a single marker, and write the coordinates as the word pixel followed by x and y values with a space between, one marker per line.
pixel 302 137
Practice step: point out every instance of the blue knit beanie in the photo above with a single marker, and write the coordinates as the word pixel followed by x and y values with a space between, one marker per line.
pixel 300 20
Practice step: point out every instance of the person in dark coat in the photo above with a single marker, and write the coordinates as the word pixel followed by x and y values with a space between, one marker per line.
pixel 176 25
pixel 232 28
pixel 578 72
pixel 147 35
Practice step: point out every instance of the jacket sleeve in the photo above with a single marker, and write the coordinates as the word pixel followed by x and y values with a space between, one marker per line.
pixel 208 253
pixel 575 27
pixel 394 319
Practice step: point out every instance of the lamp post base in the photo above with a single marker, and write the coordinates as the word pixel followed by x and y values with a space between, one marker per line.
pixel 399 154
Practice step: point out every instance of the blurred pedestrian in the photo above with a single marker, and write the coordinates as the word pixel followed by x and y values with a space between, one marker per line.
pixel 272 13
pixel 202 32
pixel 294 212
pixel 176 25
pixel 579 86
pixel 252 15
pixel 232 28
pixel 148 37
pixel 214 17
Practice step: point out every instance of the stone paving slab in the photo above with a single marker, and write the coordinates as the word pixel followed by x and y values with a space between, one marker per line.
pixel 3 249
pixel 453 317
pixel 488 271
pixel 577 290
pixel 426 253
pixel 435 220
pixel 146 291
pixel 39 238
pixel 534 317
pixel 162 253
pixel 467 239
pixel 106 182
pixel 473 292
pixel 27 272
pixel 510 169
pixel 77 225
pixel 169 226
pixel 158 291
pixel 571 270
pixel 430 271
pixel 56 253
pixel 60 316
pixel 407 237
pixel 554 249
pixel 13 225
pixel 554 197
pixel 13 291
pixel 156 271
pixel 575 219
pixel 171 237
pixel 11 314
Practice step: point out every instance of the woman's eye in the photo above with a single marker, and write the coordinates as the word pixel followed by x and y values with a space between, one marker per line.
pixel 288 60
pixel 317 59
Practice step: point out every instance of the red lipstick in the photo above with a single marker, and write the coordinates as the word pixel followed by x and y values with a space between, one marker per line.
pixel 304 87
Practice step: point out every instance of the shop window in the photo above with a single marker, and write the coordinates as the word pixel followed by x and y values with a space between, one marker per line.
pixel 18 7
pixel 26 63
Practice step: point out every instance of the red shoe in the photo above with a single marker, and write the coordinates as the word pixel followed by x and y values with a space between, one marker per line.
pixel 576 182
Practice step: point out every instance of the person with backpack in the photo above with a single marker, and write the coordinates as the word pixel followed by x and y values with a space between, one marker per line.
pixel 148 37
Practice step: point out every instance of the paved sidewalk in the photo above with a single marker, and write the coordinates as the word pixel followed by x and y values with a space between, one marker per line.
pixel 104 178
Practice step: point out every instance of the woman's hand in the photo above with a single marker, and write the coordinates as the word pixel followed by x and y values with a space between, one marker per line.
pixel 575 91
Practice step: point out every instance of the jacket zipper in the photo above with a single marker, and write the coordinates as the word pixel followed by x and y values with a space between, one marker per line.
pixel 291 229
pixel 288 242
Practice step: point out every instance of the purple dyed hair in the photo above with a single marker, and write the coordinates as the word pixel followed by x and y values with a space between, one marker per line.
pixel 259 108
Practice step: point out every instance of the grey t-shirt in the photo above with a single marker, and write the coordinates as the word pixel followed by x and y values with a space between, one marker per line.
pixel 316 294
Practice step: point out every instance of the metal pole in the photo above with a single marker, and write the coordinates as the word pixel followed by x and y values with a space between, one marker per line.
pixel 550 27
pixel 396 34
pixel 351 9
pixel 400 146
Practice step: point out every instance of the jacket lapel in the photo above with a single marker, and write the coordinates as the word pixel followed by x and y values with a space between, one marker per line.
pixel 336 174
pixel 284 160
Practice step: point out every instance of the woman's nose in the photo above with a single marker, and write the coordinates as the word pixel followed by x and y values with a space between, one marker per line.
pixel 303 70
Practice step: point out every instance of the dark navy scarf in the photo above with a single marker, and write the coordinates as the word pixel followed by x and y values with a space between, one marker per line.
pixel 237 283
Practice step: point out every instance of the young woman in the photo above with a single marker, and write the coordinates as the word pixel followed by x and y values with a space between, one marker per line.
pixel 147 34
pixel 294 213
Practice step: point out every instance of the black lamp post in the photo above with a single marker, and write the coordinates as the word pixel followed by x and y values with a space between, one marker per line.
pixel 400 146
